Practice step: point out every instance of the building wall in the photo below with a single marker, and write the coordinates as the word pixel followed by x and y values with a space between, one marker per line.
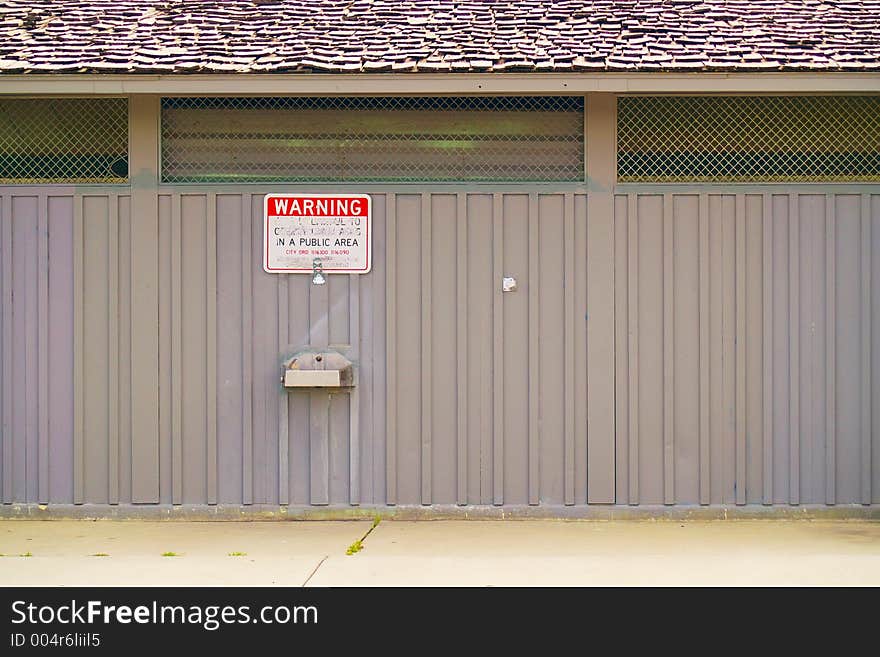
pixel 666 344
pixel 747 345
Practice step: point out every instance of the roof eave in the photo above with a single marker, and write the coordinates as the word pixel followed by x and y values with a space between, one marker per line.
pixel 440 83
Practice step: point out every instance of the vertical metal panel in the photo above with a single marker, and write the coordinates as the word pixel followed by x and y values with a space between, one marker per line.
pixel 605 492
pixel 112 347
pixel 338 295
pixel 716 280
pixel 728 346
pixel 865 265
pixel 781 349
pixel 166 310
pixel 338 421
pixel 650 359
pixel 632 215
pixel 874 207
pixel 811 217
pixel 265 363
pixel 6 282
pixel 442 351
pixel 794 348
pixel 143 167
pixel 741 346
pixel 60 349
pixel 755 345
pixel 848 370
pixel 230 371
pixel 569 364
pixel 461 347
pixel 125 373
pixel 767 341
pixel 601 145
pixel 193 400
pixel 391 385
pixel 806 328
pixel 247 356
pixel 705 404
pixel 78 355
pixel 319 401
pixel 365 340
pixel 668 390
pixel 355 419
pixel 426 360
pixel 42 453
pixel 408 349
pixel 380 349
pixel 534 351
pixel 479 344
pixel 515 349
pixel 685 348
pixel 497 351
pixel 283 400
pixel 552 353
pixel 96 357
pixel 621 348
pixel 830 353
pixel 319 418
pixel 211 346
pixel 24 391
pixel 176 351
pixel 297 326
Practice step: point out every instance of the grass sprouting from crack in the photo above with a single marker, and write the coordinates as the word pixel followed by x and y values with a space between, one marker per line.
pixel 170 554
pixel 358 545
pixel 238 554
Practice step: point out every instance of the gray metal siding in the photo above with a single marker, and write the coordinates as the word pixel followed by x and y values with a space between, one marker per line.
pixel 465 394
pixel 37 340
pixel 746 330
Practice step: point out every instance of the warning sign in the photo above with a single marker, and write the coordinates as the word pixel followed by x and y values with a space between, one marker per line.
pixel 327 231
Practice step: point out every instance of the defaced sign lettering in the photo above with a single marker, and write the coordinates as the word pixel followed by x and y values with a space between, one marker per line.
pixel 330 231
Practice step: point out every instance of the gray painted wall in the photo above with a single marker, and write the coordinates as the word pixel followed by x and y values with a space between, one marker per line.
pixel 667 344
pixel 748 346
pixel 465 394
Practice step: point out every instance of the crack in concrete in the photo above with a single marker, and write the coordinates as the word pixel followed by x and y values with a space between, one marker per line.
pixel 312 574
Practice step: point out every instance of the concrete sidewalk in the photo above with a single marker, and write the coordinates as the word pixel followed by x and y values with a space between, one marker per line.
pixel 438 553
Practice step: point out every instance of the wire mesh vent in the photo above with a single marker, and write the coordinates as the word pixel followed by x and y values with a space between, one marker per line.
pixel 63 140
pixel 748 139
pixel 510 139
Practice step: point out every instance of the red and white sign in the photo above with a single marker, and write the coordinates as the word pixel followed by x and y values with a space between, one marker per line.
pixel 332 231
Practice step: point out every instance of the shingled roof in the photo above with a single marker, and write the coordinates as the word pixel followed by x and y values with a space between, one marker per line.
pixel 366 36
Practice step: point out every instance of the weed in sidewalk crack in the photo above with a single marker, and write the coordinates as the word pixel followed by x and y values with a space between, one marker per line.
pixel 358 545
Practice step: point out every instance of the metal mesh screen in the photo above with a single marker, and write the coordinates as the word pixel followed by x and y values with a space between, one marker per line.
pixel 514 139
pixel 748 139
pixel 63 140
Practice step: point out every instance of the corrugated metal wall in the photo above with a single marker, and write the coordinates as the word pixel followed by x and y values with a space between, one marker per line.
pixel 428 324
pixel 667 344
pixel 486 391
pixel 748 347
